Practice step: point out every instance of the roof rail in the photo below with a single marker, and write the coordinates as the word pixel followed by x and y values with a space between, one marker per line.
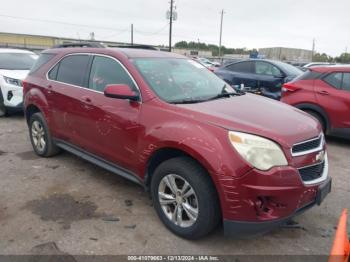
pixel 79 44
pixel 148 47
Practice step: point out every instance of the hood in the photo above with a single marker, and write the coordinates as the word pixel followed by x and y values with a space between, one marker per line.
pixel 16 74
pixel 258 115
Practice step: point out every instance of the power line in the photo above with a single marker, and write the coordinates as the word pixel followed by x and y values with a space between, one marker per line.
pixel 60 22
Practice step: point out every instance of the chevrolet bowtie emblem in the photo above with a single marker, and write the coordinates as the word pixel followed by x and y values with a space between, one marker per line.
pixel 320 156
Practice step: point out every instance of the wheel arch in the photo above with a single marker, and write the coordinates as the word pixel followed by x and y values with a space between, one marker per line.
pixel 317 109
pixel 166 153
pixel 30 110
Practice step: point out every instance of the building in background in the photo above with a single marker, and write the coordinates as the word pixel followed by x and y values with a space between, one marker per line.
pixel 37 43
pixel 193 53
pixel 287 54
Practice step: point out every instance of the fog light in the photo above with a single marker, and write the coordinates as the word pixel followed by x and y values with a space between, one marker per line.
pixel 9 95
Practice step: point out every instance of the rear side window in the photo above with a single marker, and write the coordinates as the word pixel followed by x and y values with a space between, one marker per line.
pixel 106 71
pixel 263 68
pixel 242 67
pixel 346 82
pixel 72 69
pixel 42 60
pixel 334 79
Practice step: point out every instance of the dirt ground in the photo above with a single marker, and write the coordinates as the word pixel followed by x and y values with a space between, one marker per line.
pixel 67 205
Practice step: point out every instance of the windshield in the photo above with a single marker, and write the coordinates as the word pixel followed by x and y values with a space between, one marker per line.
pixel 181 80
pixel 17 61
pixel 289 69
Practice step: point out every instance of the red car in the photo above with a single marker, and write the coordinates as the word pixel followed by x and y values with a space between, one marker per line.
pixel 323 92
pixel 205 152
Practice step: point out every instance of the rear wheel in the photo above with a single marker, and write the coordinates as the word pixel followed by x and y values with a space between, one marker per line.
pixel 185 198
pixel 40 136
pixel 319 119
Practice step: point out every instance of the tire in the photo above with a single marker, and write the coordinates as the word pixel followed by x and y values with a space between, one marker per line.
pixel 40 136
pixel 319 119
pixel 3 111
pixel 200 210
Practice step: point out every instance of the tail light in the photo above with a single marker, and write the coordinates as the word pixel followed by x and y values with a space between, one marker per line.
pixel 24 85
pixel 289 87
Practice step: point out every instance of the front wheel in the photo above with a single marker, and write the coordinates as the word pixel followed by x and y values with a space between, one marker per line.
pixel 318 118
pixel 3 111
pixel 40 136
pixel 185 198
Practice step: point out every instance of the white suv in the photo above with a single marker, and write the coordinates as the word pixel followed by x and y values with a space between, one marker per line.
pixel 14 67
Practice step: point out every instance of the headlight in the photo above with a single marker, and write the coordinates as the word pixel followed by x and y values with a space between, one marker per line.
pixel 260 152
pixel 13 81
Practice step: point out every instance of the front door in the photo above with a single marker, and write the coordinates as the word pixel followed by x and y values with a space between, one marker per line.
pixel 111 126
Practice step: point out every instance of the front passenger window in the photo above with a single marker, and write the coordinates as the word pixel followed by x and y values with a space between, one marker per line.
pixel 106 71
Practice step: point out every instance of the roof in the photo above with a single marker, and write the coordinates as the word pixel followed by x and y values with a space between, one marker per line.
pixel 330 68
pixel 12 50
pixel 143 53
pixel 128 52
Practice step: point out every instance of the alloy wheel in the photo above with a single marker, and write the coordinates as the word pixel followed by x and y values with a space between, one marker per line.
pixel 38 136
pixel 178 200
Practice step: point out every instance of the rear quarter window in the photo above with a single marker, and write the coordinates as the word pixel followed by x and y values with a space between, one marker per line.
pixel 42 60
pixel 309 75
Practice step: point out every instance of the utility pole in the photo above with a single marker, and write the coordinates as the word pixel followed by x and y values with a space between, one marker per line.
pixel 313 49
pixel 171 23
pixel 132 34
pixel 222 17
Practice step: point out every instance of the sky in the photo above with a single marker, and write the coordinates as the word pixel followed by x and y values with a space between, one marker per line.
pixel 248 23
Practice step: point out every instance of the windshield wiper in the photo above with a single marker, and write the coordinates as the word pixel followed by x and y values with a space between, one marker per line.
pixel 226 95
pixel 186 101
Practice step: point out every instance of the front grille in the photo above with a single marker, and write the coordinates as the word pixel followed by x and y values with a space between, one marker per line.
pixel 312 172
pixel 306 146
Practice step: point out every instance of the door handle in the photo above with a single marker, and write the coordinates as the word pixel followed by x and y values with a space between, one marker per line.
pixel 323 92
pixel 87 100
pixel 49 89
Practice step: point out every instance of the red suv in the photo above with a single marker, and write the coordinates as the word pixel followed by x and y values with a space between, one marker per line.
pixel 323 92
pixel 206 152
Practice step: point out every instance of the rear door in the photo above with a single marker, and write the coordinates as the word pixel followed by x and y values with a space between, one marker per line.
pixel 333 94
pixel 269 79
pixel 239 73
pixel 66 82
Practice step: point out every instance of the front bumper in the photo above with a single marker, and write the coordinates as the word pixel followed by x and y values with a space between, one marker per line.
pixel 12 96
pixel 243 229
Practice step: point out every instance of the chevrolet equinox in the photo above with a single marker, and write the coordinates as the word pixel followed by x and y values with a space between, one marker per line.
pixel 207 153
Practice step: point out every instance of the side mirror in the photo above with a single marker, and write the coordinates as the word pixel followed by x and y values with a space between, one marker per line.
pixel 121 91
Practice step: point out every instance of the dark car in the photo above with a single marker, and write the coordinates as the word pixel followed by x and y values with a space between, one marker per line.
pixel 263 76
pixel 166 122
pixel 323 92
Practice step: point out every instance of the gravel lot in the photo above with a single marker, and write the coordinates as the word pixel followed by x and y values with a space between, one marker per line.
pixel 64 204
